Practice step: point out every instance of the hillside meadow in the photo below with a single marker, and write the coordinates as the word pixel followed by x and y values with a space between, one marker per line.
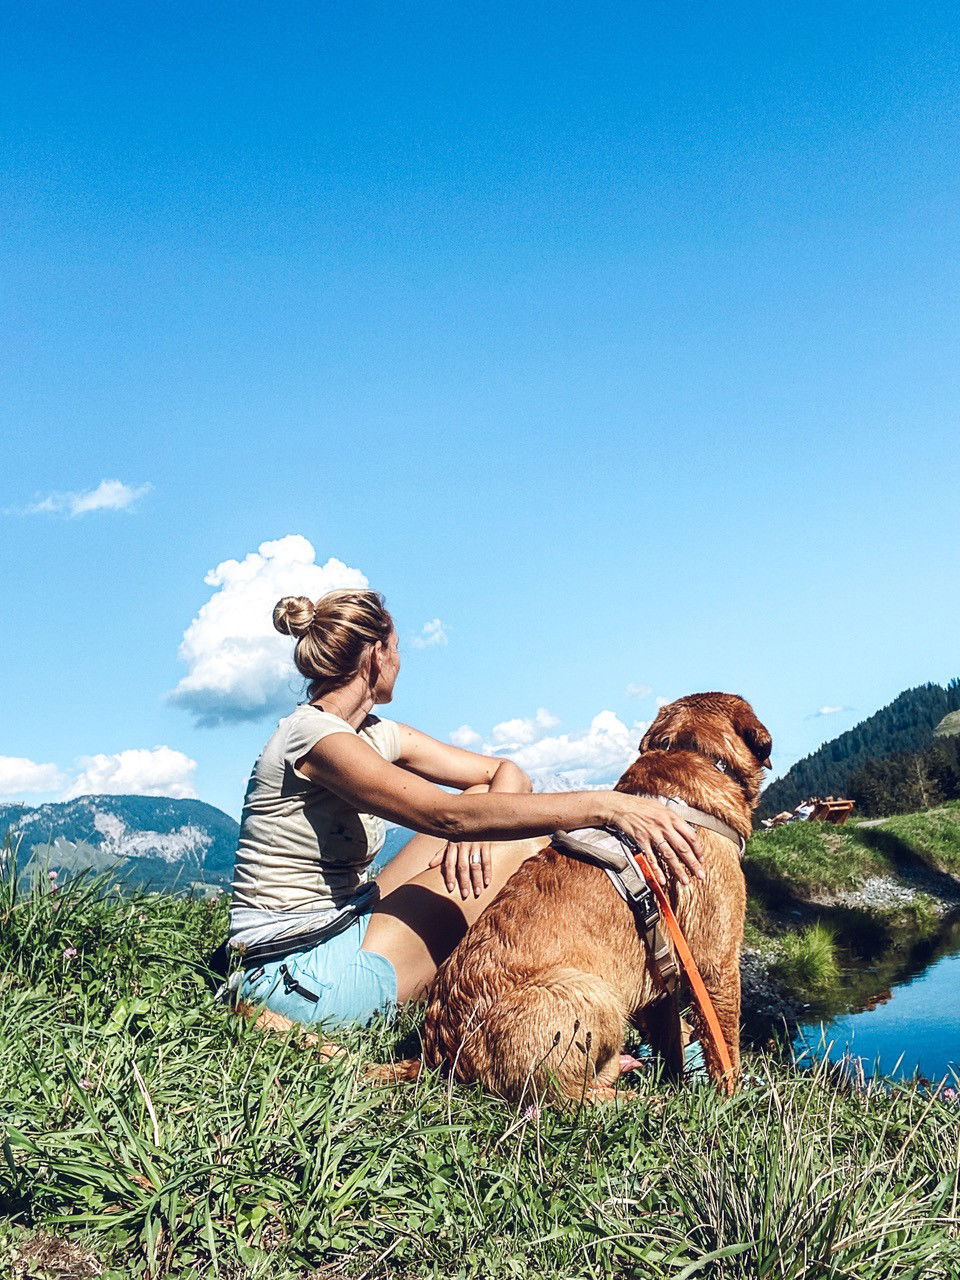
pixel 148 1133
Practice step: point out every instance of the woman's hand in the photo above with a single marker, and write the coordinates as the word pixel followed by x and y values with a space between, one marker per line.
pixel 661 833
pixel 465 866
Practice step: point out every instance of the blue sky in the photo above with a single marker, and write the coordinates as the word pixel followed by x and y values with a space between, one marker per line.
pixel 622 339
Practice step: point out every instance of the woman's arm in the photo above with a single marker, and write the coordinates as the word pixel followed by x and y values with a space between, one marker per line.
pixel 353 770
pixel 467 864
pixel 452 766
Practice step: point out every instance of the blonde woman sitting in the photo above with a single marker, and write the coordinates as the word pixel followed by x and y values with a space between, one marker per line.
pixel 324 941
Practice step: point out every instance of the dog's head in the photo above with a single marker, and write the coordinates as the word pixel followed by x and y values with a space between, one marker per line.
pixel 721 726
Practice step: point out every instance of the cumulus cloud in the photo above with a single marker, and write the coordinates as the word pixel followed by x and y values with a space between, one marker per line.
pixel 160 771
pixel 19 776
pixel 465 737
pixel 593 757
pixel 520 731
pixel 430 635
pixel 109 495
pixel 639 690
pixel 600 753
pixel 238 666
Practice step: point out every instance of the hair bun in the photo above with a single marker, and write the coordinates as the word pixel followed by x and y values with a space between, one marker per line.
pixel 293 615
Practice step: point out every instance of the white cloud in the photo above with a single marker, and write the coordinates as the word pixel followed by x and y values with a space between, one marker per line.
pixel 432 633
pixel 238 666
pixel 600 753
pixel 19 776
pixel 639 690
pixel 109 495
pixel 595 757
pixel 519 732
pixel 140 772
pixel 829 711
pixel 662 702
pixel 465 737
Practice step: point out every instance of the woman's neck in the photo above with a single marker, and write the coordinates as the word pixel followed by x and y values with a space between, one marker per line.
pixel 351 702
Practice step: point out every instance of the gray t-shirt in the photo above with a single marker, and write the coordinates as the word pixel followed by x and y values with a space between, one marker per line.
pixel 304 854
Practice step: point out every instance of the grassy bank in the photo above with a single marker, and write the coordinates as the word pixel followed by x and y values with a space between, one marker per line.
pixel 815 861
pixel 838 915
pixel 146 1133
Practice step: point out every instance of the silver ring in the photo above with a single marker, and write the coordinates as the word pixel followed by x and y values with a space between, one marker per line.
pixel 474 859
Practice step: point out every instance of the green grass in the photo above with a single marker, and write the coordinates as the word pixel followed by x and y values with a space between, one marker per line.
pixel 812 859
pixel 933 835
pixel 817 859
pixel 807 961
pixel 157 1136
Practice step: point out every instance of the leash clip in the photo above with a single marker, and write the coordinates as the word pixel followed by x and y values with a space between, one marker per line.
pixel 633 882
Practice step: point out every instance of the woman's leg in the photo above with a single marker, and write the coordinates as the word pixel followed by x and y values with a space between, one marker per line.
pixel 418 923
pixel 412 859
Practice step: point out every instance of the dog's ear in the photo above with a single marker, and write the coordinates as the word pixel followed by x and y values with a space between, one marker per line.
pixel 756 736
pixel 647 741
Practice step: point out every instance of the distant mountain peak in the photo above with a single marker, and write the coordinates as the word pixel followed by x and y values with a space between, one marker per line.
pixel 150 841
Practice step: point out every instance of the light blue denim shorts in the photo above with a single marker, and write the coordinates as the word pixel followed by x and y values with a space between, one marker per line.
pixel 334 983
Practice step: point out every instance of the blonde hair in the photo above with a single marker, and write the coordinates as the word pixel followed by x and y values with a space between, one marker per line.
pixel 333 634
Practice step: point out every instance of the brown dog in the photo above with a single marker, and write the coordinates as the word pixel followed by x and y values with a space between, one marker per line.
pixel 537 996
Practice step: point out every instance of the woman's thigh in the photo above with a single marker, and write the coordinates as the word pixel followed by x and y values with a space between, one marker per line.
pixel 418 924
pixel 409 862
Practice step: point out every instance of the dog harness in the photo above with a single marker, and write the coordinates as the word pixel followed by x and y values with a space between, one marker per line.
pixel 634 879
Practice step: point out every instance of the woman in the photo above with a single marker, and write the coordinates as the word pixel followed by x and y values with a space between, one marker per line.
pixel 321 940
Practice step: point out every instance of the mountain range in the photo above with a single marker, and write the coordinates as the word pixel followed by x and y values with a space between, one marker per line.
pixel 148 842
pixel 907 724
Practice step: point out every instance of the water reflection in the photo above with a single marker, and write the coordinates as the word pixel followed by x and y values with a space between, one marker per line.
pixel 913 1029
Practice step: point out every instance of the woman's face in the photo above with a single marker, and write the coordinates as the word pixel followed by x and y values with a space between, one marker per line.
pixel 388 663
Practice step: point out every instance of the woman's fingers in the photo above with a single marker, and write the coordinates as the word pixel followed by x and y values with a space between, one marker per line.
pixel 450 866
pixel 463 870
pixel 475 858
pixel 681 839
pixel 669 842
pixel 665 856
pixel 466 867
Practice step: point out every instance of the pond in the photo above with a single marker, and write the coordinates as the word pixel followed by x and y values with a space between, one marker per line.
pixel 913 1029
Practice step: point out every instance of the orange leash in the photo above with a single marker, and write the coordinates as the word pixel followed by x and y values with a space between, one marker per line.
pixel 700 993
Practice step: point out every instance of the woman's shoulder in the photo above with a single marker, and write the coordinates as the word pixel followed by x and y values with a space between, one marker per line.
pixel 383 734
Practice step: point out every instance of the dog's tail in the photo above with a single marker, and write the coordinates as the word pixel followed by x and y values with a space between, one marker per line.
pixel 394 1072
pixel 557 1035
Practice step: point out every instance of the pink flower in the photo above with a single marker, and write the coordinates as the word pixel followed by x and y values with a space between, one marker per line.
pixel 51 876
pixel 86 1083
pixel 948 1094
pixel 69 953
pixel 532 1112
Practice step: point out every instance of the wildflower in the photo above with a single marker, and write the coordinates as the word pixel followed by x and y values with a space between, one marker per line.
pixel 69 953
pixel 52 876
pixel 86 1083
pixel 532 1112
pixel 948 1094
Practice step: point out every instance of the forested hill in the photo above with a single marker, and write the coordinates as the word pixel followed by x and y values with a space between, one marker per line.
pixel 905 725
